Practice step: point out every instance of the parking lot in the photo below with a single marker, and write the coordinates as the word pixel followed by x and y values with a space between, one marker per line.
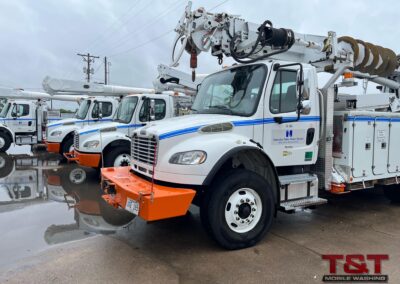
pixel 63 231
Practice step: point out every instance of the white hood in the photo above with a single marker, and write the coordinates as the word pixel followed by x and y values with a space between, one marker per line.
pixel 95 128
pixel 186 122
pixel 63 121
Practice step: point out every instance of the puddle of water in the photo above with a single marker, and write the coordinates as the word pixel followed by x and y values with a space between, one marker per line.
pixel 44 202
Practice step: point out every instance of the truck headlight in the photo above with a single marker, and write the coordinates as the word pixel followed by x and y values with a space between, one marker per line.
pixel 188 158
pixel 56 133
pixel 91 144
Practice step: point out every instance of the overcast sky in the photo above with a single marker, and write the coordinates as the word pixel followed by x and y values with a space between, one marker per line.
pixel 42 37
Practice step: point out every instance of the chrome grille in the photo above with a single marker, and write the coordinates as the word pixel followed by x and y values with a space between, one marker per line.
pixel 144 149
pixel 76 140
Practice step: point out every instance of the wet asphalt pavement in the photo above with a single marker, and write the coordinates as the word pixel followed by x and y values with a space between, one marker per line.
pixel 55 227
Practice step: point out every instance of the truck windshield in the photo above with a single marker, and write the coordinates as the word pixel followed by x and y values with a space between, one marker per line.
pixel 83 110
pixel 126 110
pixel 234 91
pixel 4 110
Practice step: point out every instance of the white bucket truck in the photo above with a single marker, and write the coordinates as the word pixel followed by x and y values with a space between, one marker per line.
pixel 264 135
pixel 108 145
pixel 24 116
pixel 99 107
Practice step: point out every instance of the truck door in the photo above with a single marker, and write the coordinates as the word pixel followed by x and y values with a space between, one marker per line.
pixel 290 140
pixel 160 112
pixel 23 118
pixel 102 112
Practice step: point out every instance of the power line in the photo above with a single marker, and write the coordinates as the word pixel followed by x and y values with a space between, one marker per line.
pixel 220 4
pixel 126 38
pixel 149 3
pixel 118 21
pixel 143 44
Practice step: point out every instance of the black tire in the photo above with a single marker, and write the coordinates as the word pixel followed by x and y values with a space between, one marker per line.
pixel 392 192
pixel 6 165
pixel 215 203
pixel 66 145
pixel 110 156
pixel 7 141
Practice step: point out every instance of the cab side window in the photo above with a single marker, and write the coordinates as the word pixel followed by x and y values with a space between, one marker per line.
pixel 159 110
pixel 20 110
pixel 105 107
pixel 284 96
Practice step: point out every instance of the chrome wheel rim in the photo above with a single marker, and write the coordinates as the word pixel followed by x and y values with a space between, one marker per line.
pixel 122 160
pixel 77 176
pixel 2 142
pixel 243 210
pixel 2 162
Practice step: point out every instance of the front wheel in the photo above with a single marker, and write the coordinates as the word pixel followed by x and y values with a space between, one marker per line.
pixel 5 142
pixel 117 157
pixel 239 209
pixel 67 146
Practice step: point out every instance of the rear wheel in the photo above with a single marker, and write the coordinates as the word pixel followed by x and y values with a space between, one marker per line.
pixel 392 192
pixel 5 142
pixel 238 210
pixel 117 157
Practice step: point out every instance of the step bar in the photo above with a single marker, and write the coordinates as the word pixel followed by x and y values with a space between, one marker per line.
pixel 299 191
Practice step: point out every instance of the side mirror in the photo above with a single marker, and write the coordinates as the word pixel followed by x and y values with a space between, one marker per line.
pixel 100 113
pixel 300 84
pixel 306 107
pixel 152 112
pixel 197 88
pixel 14 111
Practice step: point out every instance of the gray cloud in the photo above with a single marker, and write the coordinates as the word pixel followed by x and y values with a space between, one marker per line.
pixel 41 37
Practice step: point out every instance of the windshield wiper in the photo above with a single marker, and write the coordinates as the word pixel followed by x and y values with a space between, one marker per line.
pixel 222 107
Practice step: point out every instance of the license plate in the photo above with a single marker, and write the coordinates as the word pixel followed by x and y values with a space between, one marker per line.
pixel 132 206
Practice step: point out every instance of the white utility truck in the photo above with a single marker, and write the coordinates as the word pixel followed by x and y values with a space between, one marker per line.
pixel 24 116
pixel 264 135
pixel 99 107
pixel 108 145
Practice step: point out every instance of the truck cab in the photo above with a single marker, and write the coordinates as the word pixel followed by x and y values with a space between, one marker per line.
pixel 21 122
pixel 108 145
pixel 92 111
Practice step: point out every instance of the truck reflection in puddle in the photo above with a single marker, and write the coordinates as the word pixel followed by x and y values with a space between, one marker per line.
pixel 21 177
pixel 79 189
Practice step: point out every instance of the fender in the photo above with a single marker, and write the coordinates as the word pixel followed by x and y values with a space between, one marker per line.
pixel 117 143
pixel 232 153
pixel 68 135
pixel 7 130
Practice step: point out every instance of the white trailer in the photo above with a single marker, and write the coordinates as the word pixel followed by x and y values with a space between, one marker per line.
pixel 261 138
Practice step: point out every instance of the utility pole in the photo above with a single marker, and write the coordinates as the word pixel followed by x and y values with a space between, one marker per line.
pixel 89 59
pixel 106 70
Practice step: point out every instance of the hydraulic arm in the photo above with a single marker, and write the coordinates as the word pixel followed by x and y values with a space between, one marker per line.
pixel 246 42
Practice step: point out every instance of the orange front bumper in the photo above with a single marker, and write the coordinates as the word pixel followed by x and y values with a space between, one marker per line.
pixel 84 159
pixel 53 147
pixel 155 201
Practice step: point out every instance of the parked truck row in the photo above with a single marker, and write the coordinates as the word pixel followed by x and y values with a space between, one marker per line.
pixel 258 137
